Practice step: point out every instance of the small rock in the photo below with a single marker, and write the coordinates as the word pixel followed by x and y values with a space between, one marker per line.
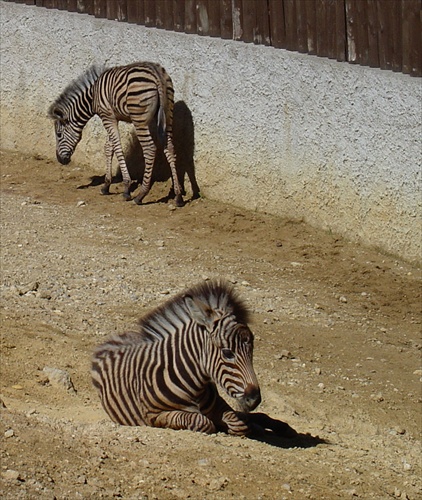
pixel 397 493
pixel 59 378
pixel 10 475
pixel 43 294
pixel 352 492
pixel 284 354
pixel 81 203
pixel 318 371
pixel 28 288
pixel 9 433
pixel 377 397
pixel 400 430
pixel 343 299
pixel 218 483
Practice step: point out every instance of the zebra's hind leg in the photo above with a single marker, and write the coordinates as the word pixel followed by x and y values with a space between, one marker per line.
pixel 179 420
pixel 149 149
pixel 171 158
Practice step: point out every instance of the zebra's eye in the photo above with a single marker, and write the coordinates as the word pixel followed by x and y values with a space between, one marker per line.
pixel 228 354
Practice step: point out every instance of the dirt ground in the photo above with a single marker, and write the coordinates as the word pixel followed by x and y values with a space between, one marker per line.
pixel 337 351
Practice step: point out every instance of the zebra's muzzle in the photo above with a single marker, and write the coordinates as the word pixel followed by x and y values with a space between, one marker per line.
pixel 64 160
pixel 251 398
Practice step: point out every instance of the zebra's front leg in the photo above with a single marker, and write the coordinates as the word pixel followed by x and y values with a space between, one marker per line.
pixel 223 416
pixel 127 181
pixel 178 420
pixel 109 152
pixel 114 146
pixel 236 425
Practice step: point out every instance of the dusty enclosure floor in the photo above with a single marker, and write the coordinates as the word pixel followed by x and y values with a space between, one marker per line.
pixel 337 349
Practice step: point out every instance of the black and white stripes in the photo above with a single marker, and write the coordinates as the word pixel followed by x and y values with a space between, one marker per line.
pixel 137 93
pixel 165 373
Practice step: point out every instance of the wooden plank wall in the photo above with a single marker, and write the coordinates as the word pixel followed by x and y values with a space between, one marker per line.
pixel 383 34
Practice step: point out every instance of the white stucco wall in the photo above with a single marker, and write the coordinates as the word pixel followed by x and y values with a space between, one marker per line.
pixel 302 137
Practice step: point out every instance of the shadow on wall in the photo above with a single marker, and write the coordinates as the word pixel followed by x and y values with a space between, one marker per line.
pixel 184 145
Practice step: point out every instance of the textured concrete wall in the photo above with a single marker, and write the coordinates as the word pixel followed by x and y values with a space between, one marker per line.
pixel 307 138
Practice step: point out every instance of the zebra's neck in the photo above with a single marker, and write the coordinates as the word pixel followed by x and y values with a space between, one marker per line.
pixel 76 101
pixel 81 107
pixel 184 340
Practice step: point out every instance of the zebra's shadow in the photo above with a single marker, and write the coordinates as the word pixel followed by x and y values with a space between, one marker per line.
pixel 278 433
pixel 184 145
pixel 300 441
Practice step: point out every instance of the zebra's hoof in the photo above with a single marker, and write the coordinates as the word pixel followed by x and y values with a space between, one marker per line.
pixel 137 200
pixel 179 201
pixel 127 197
pixel 105 190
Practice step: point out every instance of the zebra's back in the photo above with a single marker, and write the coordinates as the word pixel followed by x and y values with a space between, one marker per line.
pixel 135 92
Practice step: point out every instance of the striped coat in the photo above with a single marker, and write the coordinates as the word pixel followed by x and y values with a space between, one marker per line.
pixel 139 93
pixel 166 373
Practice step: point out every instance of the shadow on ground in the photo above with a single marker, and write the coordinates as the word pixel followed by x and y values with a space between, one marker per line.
pixel 280 434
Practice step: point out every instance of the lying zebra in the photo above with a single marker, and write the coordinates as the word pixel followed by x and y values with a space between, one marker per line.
pixel 137 93
pixel 165 373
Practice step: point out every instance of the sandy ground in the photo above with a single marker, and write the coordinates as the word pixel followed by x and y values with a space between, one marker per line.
pixel 337 351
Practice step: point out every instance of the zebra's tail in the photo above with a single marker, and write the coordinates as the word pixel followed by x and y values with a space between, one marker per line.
pixel 161 122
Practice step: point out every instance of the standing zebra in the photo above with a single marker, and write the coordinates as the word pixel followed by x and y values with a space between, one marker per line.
pixel 165 374
pixel 137 93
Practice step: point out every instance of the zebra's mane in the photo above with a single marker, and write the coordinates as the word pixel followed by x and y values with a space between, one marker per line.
pixel 216 294
pixel 75 89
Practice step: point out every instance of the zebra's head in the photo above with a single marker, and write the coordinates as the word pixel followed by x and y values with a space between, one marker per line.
pixel 68 134
pixel 71 111
pixel 230 352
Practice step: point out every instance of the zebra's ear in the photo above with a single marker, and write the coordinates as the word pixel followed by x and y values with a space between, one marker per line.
pixel 56 114
pixel 200 312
